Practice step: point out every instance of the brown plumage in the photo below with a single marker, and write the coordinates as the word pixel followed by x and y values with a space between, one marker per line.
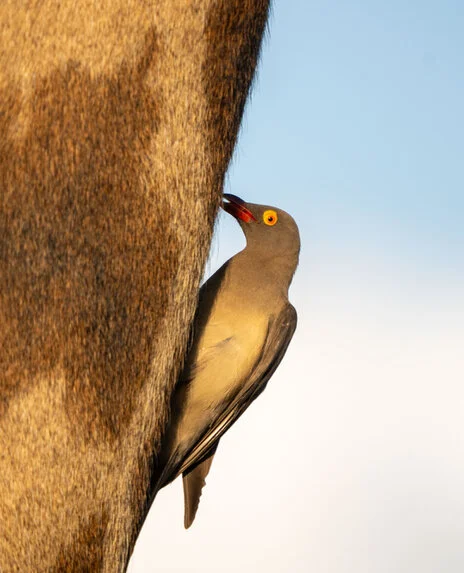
pixel 241 331
pixel 117 124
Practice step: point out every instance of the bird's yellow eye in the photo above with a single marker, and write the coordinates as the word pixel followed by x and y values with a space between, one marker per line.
pixel 270 217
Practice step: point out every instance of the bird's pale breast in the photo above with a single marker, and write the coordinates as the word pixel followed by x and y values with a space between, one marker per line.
pixel 226 352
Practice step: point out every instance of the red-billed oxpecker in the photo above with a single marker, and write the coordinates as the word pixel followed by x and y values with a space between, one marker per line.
pixel 243 325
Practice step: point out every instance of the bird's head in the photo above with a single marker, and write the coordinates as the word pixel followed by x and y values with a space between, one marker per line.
pixel 267 229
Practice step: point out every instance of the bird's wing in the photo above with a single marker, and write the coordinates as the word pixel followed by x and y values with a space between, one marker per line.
pixel 280 332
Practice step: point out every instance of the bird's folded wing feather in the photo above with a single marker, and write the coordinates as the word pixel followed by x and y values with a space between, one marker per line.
pixel 280 332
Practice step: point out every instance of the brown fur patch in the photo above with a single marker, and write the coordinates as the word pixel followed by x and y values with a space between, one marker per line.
pixel 85 553
pixel 81 239
pixel 234 39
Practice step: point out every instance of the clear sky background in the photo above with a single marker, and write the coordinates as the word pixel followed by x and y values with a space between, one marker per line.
pixel 353 458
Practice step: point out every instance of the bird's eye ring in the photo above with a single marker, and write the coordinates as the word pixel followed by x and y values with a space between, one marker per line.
pixel 270 217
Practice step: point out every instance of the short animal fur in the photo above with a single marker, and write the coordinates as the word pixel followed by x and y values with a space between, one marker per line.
pixel 117 124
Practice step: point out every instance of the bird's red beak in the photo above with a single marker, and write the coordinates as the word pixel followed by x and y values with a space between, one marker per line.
pixel 236 207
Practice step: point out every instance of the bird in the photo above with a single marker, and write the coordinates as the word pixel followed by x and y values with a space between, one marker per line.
pixel 243 325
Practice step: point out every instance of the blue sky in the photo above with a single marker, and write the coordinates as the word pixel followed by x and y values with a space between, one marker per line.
pixel 352 459
pixel 357 118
